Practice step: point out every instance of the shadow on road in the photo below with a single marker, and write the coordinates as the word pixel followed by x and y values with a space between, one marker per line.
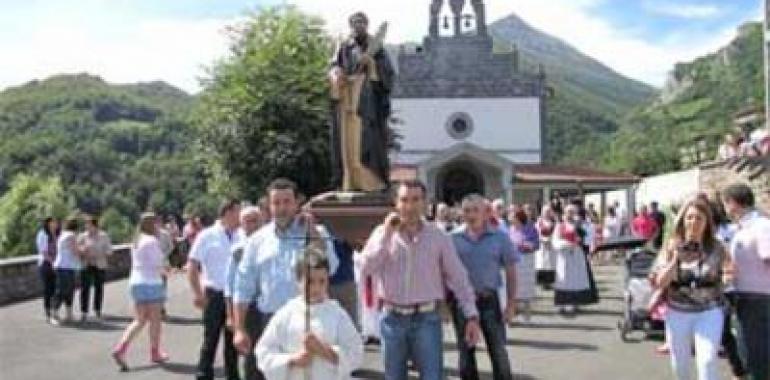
pixel 562 326
pixel 117 318
pixel 553 346
pixel 183 321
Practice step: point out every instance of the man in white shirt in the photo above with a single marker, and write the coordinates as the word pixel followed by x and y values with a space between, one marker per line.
pixel 207 273
pixel 750 251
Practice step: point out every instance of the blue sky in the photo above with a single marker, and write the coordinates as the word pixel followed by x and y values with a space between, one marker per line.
pixel 172 40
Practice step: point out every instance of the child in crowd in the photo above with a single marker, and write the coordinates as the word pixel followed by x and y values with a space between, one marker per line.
pixel 312 334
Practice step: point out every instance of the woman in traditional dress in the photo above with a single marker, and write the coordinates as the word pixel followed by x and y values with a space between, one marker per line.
pixel 572 284
pixel 526 240
pixel 545 257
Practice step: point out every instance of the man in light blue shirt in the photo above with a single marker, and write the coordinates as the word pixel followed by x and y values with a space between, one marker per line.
pixel 485 251
pixel 266 271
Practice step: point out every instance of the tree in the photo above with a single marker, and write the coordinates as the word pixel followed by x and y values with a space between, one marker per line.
pixel 264 109
pixel 29 200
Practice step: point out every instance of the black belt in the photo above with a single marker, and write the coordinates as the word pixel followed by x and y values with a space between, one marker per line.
pixel 212 290
pixel 486 294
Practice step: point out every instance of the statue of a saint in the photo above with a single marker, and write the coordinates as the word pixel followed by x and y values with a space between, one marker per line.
pixel 361 80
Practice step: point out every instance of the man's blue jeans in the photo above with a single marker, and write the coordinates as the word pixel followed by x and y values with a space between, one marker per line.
pixel 493 329
pixel 416 336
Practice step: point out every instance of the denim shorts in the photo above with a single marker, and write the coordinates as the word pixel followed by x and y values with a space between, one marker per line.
pixel 148 293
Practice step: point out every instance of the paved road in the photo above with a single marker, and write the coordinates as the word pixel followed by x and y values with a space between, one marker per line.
pixel 551 347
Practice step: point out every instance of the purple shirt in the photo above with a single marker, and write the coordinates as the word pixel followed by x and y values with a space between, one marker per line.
pixel 412 271
pixel 527 233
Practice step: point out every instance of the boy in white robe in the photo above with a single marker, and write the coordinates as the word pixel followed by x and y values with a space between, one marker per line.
pixel 329 347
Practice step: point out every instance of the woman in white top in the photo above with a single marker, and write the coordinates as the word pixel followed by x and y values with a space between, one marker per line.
pixel 147 291
pixel 67 264
pixel 611 230
pixel 46 249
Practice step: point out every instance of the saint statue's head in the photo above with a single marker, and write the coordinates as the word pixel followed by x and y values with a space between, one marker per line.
pixel 359 24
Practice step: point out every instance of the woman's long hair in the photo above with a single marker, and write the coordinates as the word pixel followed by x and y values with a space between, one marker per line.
pixel 709 240
pixel 45 226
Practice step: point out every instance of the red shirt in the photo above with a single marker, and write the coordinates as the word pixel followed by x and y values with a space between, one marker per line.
pixel 644 226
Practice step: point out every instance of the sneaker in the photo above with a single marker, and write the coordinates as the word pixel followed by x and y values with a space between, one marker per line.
pixel 54 318
pixel 158 356
pixel 120 360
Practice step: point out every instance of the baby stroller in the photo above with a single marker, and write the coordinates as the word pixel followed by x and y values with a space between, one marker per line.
pixel 637 294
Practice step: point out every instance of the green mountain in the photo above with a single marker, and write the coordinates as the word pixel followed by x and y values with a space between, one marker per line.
pixel 117 149
pixel 570 70
pixel 697 104
pixel 589 98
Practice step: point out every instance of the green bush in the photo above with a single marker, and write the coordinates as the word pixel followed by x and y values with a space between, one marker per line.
pixel 29 200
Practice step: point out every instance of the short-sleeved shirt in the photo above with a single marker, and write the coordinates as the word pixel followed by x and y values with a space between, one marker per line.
pixel 485 257
pixel 66 258
pixel 46 247
pixel 146 261
pixel 212 249
pixel 750 250
pixel 98 248
pixel 644 226
pixel 266 270
pixel 697 285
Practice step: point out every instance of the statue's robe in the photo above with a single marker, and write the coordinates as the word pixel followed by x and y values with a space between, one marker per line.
pixel 373 109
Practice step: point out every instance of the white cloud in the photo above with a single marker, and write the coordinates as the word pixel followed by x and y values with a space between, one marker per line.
pixel 688 11
pixel 119 50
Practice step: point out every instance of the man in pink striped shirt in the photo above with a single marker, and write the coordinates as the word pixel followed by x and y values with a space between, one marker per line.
pixel 411 261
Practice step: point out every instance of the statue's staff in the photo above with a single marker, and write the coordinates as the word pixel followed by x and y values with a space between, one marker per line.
pixel 306 371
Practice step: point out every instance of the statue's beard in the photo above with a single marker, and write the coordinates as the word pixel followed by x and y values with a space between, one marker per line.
pixel 360 38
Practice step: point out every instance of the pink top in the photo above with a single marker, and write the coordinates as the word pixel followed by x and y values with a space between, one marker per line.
pixel 147 261
pixel 750 250
pixel 409 272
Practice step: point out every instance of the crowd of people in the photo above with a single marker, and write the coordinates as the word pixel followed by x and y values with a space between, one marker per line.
pixel 740 144
pixel 288 298
pixel 67 256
